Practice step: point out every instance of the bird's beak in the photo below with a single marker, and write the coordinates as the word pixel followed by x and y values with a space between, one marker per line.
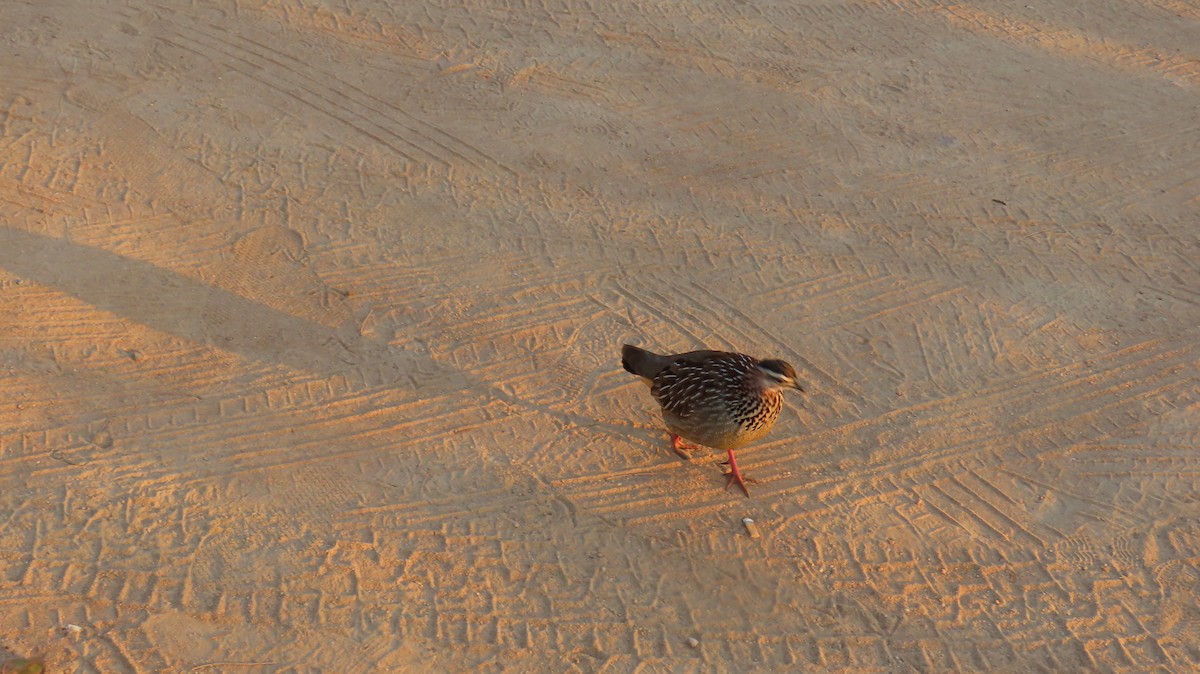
pixel 798 386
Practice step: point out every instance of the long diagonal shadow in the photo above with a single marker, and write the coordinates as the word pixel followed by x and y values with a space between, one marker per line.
pixel 165 300
pixel 188 308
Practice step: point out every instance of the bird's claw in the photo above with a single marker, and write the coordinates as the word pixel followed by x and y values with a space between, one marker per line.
pixel 735 475
pixel 732 477
pixel 730 474
pixel 681 448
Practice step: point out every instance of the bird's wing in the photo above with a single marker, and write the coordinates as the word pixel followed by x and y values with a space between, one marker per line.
pixel 681 385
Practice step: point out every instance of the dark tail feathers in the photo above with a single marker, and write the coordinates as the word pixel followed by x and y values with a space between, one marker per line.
pixel 641 362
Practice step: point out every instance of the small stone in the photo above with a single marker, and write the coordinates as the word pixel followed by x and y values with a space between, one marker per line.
pixel 693 642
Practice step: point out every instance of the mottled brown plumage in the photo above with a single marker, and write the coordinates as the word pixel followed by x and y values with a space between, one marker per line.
pixel 717 399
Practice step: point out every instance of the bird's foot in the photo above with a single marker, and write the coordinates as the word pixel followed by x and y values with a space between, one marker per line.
pixel 735 475
pixel 682 448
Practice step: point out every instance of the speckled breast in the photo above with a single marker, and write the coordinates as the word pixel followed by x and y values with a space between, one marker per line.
pixel 725 427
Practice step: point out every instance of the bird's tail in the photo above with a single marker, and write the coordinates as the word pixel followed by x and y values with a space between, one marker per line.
pixel 641 362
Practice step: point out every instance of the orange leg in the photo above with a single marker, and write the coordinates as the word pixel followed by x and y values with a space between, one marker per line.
pixel 735 475
pixel 680 446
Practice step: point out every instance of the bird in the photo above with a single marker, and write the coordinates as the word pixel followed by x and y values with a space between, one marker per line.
pixel 719 399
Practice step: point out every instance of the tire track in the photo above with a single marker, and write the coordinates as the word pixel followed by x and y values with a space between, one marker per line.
pixel 756 333
pixel 1036 414
pixel 383 137
pixel 343 102
pixel 632 296
pixel 974 450
pixel 153 168
pixel 1118 57
pixel 429 132
pixel 991 441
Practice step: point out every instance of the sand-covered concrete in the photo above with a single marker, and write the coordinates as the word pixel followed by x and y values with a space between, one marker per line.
pixel 310 317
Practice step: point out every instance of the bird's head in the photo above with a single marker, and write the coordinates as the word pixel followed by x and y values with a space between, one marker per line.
pixel 779 374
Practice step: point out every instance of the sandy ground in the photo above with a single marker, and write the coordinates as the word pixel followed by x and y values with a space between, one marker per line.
pixel 310 315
